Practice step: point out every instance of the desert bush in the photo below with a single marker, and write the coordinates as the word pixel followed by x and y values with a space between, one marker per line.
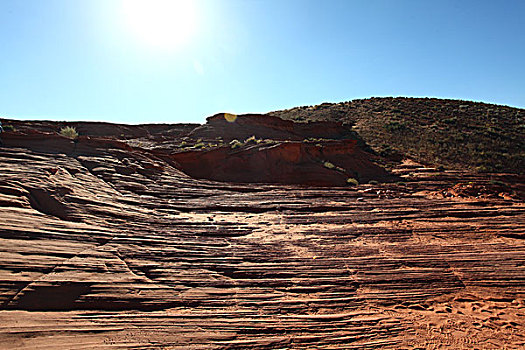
pixel 251 139
pixel 394 126
pixel 328 165
pixel 69 132
pixel 9 128
pixel 484 169
pixel 269 141
pixel 498 183
pixel 235 144
pixel 352 182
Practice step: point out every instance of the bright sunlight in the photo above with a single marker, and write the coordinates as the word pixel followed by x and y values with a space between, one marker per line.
pixel 165 24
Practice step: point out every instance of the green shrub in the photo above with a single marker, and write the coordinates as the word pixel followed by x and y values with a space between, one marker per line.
pixel 373 182
pixel 328 165
pixel 484 169
pixel 9 128
pixel 352 182
pixel 498 183
pixel 452 120
pixel 251 139
pixel 394 126
pixel 235 144
pixel 69 132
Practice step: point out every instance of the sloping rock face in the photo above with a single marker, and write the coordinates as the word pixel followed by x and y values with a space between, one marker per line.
pixel 314 154
pixel 287 163
pixel 104 243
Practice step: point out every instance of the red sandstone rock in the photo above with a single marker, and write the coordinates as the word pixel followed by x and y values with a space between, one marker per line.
pixel 264 126
pixel 107 245
pixel 279 153
pixel 284 162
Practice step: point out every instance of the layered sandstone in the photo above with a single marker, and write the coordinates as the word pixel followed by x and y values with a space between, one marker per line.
pixel 108 243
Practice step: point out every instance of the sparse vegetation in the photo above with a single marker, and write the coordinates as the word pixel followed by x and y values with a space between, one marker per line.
pixel 352 182
pixel 269 141
pixel 235 144
pixel 9 128
pixel 329 165
pixel 252 139
pixel 452 133
pixel 452 120
pixel 395 126
pixel 498 183
pixel 69 132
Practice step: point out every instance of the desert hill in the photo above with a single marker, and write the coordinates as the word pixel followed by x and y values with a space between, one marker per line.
pixel 253 231
pixel 452 133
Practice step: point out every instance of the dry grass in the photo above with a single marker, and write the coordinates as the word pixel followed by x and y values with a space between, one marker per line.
pixel 69 132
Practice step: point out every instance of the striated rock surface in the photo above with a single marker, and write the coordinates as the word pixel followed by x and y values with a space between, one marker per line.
pixel 329 164
pixel 106 243
pixel 278 151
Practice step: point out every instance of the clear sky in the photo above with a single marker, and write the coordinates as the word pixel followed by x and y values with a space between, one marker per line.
pixel 162 61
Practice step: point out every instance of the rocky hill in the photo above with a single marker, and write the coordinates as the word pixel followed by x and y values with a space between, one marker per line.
pixel 451 133
pixel 251 232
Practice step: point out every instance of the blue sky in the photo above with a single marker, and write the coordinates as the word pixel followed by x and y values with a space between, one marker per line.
pixel 80 60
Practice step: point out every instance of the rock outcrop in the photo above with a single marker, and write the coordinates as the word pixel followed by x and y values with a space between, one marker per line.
pixel 278 151
pixel 331 163
pixel 263 126
pixel 106 242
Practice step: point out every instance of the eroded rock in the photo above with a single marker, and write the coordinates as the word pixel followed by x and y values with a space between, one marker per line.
pixel 151 257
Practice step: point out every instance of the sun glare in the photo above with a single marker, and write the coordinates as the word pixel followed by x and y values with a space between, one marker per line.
pixel 165 24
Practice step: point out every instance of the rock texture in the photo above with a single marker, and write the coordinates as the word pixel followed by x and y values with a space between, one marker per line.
pixel 329 164
pixel 278 151
pixel 106 243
